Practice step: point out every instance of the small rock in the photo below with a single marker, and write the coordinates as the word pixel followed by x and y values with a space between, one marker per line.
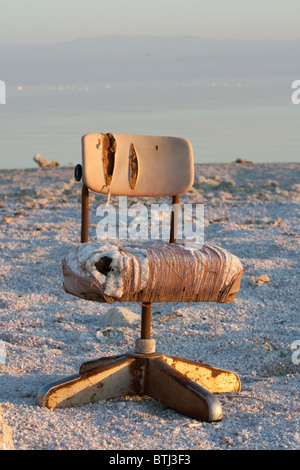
pixel 227 186
pixel 277 222
pixel 224 195
pixel 261 279
pixel 172 317
pixel 119 316
pixel 296 187
pixel 205 183
pixel 227 440
pixel 8 220
pixel 242 160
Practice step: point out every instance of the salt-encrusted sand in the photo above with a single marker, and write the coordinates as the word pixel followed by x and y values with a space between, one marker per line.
pixel 250 209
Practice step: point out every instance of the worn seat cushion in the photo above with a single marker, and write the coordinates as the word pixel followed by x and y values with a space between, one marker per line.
pixel 109 271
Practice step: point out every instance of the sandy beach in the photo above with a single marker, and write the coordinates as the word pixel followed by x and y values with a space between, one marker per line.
pixel 253 211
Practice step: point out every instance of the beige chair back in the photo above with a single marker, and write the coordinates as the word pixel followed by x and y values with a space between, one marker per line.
pixel 137 165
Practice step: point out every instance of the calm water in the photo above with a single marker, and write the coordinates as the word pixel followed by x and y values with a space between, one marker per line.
pixel 222 122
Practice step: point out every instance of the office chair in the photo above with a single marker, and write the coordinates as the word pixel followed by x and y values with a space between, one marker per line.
pixel 145 272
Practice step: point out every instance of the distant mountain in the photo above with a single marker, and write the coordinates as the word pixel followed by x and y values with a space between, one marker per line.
pixel 121 58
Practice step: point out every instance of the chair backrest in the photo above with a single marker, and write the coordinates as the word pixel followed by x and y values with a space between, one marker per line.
pixel 137 165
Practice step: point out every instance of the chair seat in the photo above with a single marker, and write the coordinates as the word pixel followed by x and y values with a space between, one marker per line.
pixel 109 271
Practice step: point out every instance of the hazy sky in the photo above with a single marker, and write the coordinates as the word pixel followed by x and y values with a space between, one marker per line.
pixel 50 21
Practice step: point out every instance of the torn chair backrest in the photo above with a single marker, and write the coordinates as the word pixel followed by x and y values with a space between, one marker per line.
pixel 137 165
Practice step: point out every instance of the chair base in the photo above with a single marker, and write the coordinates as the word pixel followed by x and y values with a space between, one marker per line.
pixel 185 386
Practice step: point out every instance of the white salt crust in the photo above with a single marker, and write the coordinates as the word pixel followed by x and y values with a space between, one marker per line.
pixel 252 210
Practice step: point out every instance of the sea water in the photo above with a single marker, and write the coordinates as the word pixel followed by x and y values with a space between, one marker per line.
pixel 223 120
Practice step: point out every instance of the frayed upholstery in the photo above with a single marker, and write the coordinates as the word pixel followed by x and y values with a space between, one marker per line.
pixel 143 272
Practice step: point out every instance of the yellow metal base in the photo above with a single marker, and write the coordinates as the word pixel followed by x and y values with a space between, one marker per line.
pixel 185 386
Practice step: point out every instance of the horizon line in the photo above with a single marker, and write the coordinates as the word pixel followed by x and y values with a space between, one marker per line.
pixel 158 36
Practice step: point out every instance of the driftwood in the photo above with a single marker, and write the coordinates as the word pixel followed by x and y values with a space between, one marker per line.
pixel 42 162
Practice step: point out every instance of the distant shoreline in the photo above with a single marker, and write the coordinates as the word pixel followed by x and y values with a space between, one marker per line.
pixel 244 164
